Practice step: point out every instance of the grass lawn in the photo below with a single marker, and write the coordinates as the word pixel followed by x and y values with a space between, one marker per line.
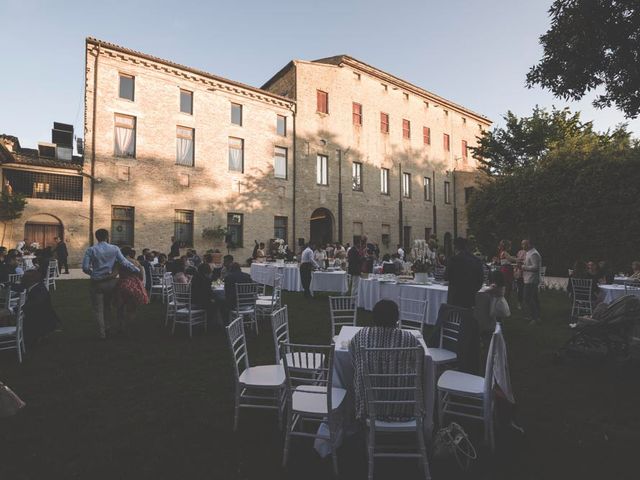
pixel 158 406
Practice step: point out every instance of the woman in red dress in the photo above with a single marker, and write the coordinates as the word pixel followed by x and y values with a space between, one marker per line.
pixel 129 291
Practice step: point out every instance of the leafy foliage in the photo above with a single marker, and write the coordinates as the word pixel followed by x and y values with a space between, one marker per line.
pixel 11 206
pixel 581 201
pixel 525 141
pixel 591 44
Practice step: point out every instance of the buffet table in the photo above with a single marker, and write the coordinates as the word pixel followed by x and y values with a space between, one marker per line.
pixel 335 281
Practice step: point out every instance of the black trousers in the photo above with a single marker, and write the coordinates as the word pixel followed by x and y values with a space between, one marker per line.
pixel 305 277
pixel 63 262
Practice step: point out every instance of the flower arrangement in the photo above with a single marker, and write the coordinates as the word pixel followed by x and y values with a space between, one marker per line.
pixel 423 257
pixel 279 248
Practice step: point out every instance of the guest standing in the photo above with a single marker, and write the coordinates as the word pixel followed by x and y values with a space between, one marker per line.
pixel 307 264
pixel 517 275
pixel 354 268
pixel 506 259
pixel 40 318
pixel 531 278
pixel 62 254
pixel 99 262
pixel 174 251
pixel 465 275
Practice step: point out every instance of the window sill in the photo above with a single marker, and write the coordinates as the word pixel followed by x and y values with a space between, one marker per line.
pixel 322 114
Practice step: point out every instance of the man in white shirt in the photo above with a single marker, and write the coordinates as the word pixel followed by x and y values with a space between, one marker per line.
pixel 401 252
pixel 531 278
pixel 307 263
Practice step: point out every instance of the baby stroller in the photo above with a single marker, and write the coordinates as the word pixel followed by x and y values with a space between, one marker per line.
pixel 607 333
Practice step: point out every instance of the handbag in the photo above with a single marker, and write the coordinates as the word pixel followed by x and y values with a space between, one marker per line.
pixel 453 441
pixel 10 403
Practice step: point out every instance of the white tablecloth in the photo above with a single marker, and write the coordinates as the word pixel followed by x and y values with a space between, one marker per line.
pixel 373 290
pixel 343 378
pixel 611 292
pixel 265 273
pixel 329 282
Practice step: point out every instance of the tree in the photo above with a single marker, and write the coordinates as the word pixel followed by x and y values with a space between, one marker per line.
pixel 11 208
pixel 525 141
pixel 591 44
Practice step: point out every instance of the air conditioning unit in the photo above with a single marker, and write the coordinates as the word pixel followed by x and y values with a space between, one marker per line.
pixel 47 150
pixel 64 153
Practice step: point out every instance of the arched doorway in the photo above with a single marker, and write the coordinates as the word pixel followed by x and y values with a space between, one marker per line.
pixel 448 246
pixel 321 226
pixel 43 228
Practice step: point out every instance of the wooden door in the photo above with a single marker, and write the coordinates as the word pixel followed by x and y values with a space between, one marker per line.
pixel 43 233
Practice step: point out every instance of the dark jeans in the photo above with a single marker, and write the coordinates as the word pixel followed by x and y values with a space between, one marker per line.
pixel 520 290
pixel 305 277
pixel 531 299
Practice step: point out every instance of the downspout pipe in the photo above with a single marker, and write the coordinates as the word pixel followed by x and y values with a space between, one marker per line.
pixel 295 156
pixel 93 149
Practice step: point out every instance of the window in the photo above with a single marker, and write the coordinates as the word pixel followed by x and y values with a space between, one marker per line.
pixel 281 125
pixel 357 176
pixel 44 185
pixel 384 122
pixel 384 87
pixel 186 102
pixel 386 234
pixel 427 233
pixel 125 136
pixel 468 192
pixel 127 86
pixel 280 228
pixel 236 154
pixel 426 104
pixel 464 151
pixel 406 185
pixel 447 192
pixel 406 128
pixel 122 225
pixel 236 114
pixel 183 227
pixel 427 189
pixel 356 75
pixel 426 135
pixel 445 142
pixel 323 101
pixel 235 223
pixel 464 121
pixel 184 146
pixel 357 114
pixel 446 113
pixel 322 170
pixel 357 233
pixel 384 181
pixel 280 163
pixel 124 173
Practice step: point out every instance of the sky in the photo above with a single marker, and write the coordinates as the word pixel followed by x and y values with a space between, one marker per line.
pixel 475 53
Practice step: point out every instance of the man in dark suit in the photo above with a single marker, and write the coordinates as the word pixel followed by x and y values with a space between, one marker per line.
pixel 465 275
pixel 62 254
pixel 233 277
pixel 174 251
pixel 40 318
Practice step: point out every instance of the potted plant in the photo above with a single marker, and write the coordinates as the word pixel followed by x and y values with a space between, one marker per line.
pixel 279 250
pixel 215 234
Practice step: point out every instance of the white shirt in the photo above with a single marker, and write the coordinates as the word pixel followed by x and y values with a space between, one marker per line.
pixel 307 256
pixel 531 267
pixel 401 253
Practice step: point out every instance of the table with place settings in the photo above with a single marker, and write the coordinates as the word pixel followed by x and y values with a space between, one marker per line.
pixel 265 273
pixel 330 281
pixel 612 292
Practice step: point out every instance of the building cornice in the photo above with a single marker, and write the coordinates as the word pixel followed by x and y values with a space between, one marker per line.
pixel 94 46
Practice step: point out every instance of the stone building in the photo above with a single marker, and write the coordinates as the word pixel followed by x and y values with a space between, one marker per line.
pixel 328 150
pixel 376 155
pixel 51 179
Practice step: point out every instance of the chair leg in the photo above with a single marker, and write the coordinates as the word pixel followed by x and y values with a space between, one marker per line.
pixel 440 409
pixel 173 329
pixel 371 449
pixel 423 452
pixel 333 441
pixel 19 352
pixel 190 327
pixel 236 410
pixel 287 438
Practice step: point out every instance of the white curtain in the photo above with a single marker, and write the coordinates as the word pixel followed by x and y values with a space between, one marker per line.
pixel 235 159
pixel 184 151
pixel 124 142
pixel 280 166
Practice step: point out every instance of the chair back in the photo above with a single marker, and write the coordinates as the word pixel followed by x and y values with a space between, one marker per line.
pixel 53 268
pixel 344 311
pixel 167 279
pixel 15 277
pixel 182 293
pixel 238 346
pixel 246 295
pixel 489 378
pixel 413 313
pixel 170 292
pixel 9 298
pixel 582 296
pixel 157 274
pixel 22 298
pixel 438 272
pixel 276 294
pixel 393 382
pixel 450 321
pixel 308 367
pixel 280 329
pixel 631 286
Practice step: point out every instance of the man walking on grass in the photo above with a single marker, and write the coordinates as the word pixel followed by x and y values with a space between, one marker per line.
pixel 99 262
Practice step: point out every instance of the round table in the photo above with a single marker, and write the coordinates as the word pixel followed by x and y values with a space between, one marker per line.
pixel 265 273
pixel 612 292
pixel 329 282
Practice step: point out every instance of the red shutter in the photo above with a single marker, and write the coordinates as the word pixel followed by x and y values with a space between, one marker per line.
pixel 406 128
pixel 426 133
pixel 464 149
pixel 323 102
pixel 446 142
